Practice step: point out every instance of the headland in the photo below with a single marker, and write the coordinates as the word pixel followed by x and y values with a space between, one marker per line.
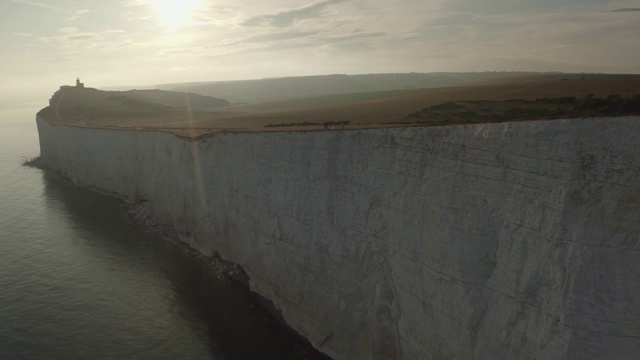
pixel 420 233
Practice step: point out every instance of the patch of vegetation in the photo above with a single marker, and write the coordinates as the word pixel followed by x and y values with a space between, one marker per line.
pixel 335 123
pixel 326 124
pixel 520 109
pixel 570 100
pixel 447 106
pixel 292 124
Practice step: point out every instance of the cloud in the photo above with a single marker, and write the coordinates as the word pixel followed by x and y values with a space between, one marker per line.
pixel 293 37
pixel 68 29
pixel 82 37
pixel 38 4
pixel 311 40
pixel 287 18
pixel 357 36
pixel 626 10
pixel 78 14
pixel 132 3
pixel 278 36
pixel 73 42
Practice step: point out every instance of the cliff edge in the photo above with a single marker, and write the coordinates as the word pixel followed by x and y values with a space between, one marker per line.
pixel 479 241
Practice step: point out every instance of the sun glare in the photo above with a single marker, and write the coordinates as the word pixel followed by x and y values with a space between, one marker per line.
pixel 174 13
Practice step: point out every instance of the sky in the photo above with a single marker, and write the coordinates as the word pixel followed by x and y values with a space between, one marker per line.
pixel 47 43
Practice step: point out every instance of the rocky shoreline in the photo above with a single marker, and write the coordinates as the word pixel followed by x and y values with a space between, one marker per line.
pixel 140 216
pixel 137 214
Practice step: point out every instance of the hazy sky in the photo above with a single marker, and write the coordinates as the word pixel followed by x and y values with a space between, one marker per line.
pixel 45 43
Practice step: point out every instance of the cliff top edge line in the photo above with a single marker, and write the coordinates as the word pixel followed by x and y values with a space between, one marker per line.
pixel 200 110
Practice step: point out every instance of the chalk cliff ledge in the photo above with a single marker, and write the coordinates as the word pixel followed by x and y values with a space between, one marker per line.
pixel 484 241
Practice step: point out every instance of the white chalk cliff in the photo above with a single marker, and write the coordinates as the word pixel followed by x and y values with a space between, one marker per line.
pixel 491 241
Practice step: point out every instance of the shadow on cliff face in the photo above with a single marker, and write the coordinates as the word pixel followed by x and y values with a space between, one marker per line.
pixel 226 316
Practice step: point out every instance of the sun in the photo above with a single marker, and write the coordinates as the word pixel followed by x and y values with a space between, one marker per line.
pixel 175 13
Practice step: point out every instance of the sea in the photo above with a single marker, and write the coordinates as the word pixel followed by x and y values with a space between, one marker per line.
pixel 79 281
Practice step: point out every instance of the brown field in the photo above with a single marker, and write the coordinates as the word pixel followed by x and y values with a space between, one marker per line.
pixel 362 110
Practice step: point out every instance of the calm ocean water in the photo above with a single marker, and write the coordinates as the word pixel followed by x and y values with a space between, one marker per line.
pixel 77 281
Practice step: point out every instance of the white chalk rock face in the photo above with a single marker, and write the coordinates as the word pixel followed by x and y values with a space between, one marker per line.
pixel 492 241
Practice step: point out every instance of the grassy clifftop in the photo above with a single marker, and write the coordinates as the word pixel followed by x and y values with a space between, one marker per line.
pixel 190 115
pixel 70 104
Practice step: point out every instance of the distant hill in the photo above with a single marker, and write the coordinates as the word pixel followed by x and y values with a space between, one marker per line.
pixel 127 87
pixel 261 90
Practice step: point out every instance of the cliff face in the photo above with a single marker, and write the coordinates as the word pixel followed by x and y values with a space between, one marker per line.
pixel 492 241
